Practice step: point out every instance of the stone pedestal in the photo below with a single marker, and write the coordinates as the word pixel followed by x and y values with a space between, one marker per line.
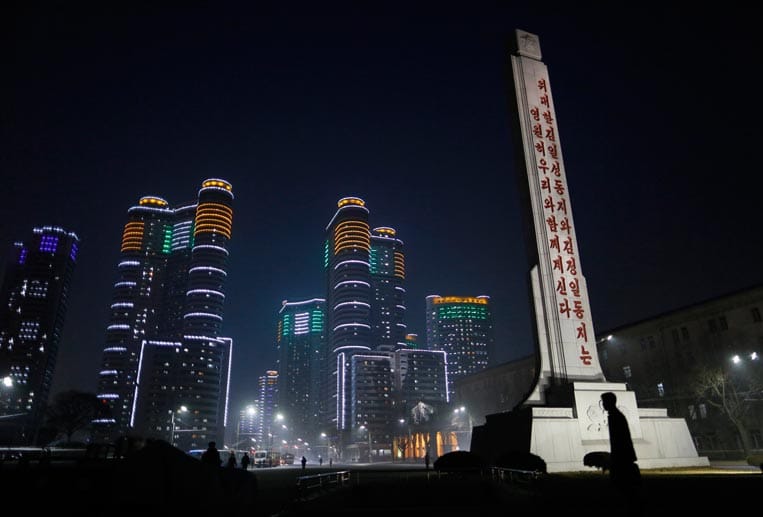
pixel 563 435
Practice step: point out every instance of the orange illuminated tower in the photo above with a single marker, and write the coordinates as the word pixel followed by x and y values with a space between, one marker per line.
pixel 164 349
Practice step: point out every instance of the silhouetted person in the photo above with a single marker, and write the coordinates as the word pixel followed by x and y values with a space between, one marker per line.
pixel 623 470
pixel 426 460
pixel 320 460
pixel 331 463
pixel 212 456
pixel 232 460
pixel 304 462
pixel 245 461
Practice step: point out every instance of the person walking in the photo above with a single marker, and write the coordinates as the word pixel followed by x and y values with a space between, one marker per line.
pixel 232 460
pixel 212 456
pixel 623 469
pixel 245 461
pixel 304 462
pixel 426 460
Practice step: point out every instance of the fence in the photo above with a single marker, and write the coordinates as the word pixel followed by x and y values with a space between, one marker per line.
pixel 310 486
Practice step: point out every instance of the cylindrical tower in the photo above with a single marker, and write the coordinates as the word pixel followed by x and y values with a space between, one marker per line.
pixel 387 277
pixel 146 241
pixel 348 301
pixel 209 259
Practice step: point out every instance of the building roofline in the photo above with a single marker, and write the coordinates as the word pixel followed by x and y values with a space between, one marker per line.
pixel 728 294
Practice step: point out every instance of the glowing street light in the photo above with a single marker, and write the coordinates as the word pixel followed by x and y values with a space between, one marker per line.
pixel 364 428
pixel 183 409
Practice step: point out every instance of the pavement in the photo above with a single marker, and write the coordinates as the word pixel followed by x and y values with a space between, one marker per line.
pixel 402 491
pixel 165 484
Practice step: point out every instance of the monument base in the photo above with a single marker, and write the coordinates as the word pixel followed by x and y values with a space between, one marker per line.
pixel 562 436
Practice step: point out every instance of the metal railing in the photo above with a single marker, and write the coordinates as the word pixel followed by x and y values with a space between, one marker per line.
pixel 505 475
pixel 308 486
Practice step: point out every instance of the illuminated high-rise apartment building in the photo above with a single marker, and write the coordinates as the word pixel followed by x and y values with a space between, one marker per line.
pixel 34 298
pixel 348 306
pixel 365 312
pixel 301 339
pixel 463 328
pixel 164 349
pixel 387 266
pixel 421 376
pixel 267 405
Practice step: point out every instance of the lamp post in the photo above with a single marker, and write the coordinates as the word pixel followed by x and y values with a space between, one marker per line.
pixel 249 412
pixel 460 412
pixel 7 384
pixel 328 445
pixel 183 409
pixel 363 427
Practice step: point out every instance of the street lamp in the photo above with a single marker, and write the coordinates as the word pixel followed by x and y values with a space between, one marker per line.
pixel 250 412
pixel 328 445
pixel 362 428
pixel 7 384
pixel 460 412
pixel 183 409
pixel 736 358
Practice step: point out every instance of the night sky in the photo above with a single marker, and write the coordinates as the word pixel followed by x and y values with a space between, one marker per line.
pixel 405 107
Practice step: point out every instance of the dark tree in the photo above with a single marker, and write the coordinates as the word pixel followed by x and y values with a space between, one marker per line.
pixel 732 394
pixel 73 411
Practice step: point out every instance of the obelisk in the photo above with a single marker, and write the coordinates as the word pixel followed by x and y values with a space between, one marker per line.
pixel 561 418
pixel 565 333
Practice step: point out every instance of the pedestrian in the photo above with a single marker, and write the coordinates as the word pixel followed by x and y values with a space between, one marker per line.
pixel 245 461
pixel 304 462
pixel 320 461
pixel 212 456
pixel 331 463
pixel 232 460
pixel 426 460
pixel 623 469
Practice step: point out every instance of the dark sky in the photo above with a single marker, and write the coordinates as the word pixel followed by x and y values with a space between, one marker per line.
pixel 404 105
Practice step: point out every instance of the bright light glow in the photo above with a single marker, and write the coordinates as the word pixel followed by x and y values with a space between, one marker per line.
pixel 203 315
pixel 736 359
pixel 208 268
pixel 352 262
pixel 352 325
pixel 205 291
pixel 480 300
pixel 754 356
pixel 352 282
pixel 7 381
pixel 354 302
pixel 210 246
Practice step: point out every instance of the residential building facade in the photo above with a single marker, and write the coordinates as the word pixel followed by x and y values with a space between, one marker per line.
pixel 301 339
pixel 164 349
pixel 463 328
pixel 34 295
pixel 661 358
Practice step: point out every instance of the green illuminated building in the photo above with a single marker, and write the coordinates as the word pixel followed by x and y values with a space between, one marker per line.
pixel 301 339
pixel 462 327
